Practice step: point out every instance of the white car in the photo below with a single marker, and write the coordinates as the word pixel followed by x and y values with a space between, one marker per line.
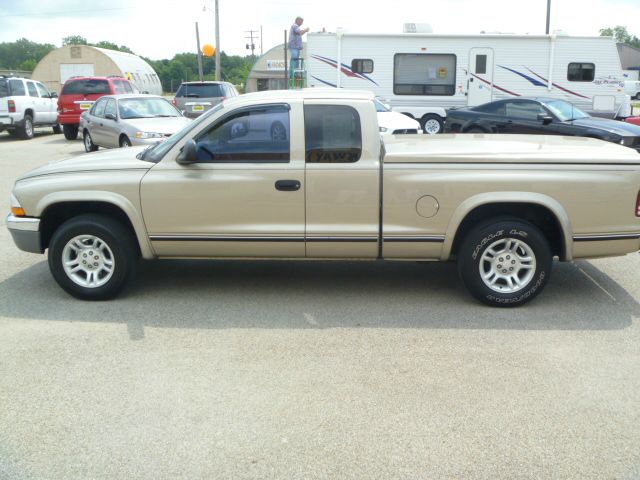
pixel 394 123
pixel 632 88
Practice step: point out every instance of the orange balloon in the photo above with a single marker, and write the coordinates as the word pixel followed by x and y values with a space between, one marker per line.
pixel 208 50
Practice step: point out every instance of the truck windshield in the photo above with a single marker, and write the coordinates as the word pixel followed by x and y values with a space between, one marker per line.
pixel 565 111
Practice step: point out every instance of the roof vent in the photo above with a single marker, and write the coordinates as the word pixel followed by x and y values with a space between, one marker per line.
pixel 417 28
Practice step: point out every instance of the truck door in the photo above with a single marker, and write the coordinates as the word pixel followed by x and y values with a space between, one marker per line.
pixel 243 198
pixel 342 155
pixel 480 78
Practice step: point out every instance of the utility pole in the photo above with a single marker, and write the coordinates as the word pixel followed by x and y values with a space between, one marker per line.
pixel 251 46
pixel 218 49
pixel 261 41
pixel 200 73
pixel 548 15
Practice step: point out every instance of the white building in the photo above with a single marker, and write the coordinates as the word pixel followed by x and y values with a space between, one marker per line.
pixel 83 60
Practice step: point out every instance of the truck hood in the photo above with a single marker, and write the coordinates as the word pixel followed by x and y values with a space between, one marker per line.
pixel 491 148
pixel 107 160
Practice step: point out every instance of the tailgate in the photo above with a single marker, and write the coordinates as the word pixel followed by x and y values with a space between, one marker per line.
pixel 4 93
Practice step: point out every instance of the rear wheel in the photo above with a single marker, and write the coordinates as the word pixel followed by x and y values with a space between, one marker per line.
pixel 89 146
pixel 431 124
pixel 26 130
pixel 92 257
pixel 505 262
pixel 124 142
pixel 70 131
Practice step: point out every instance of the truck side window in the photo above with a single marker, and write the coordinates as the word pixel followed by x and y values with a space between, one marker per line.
pixel 257 135
pixel 332 134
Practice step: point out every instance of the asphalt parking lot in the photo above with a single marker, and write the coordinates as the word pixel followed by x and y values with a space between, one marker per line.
pixel 233 370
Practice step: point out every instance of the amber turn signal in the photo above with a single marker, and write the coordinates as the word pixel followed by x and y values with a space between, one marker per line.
pixel 18 211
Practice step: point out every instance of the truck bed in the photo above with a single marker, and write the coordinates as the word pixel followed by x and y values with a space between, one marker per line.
pixel 508 149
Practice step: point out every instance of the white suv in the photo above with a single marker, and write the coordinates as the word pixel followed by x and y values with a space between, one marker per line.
pixel 25 104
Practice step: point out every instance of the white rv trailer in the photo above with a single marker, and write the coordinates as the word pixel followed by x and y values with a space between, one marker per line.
pixel 423 75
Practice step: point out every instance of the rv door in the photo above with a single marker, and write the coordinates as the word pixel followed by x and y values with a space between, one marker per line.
pixel 480 79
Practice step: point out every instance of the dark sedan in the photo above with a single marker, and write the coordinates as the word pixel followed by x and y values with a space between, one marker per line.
pixel 540 116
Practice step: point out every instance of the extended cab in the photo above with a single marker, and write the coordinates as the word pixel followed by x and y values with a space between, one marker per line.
pixel 304 175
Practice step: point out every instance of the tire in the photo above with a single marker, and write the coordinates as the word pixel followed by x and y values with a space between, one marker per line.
pixel 70 131
pixel 106 242
pixel 26 130
pixel 432 124
pixel 89 146
pixel 278 132
pixel 57 129
pixel 496 247
pixel 124 142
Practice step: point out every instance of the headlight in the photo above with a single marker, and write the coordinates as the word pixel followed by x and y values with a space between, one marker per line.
pixel 144 135
pixel 16 208
pixel 383 129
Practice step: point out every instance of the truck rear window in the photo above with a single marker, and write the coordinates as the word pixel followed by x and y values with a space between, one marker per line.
pixel 332 134
pixel 86 87
pixel 200 91
pixel 4 88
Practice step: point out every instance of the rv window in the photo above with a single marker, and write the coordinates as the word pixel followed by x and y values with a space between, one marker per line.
pixel 332 134
pixel 581 72
pixel 424 74
pixel 481 64
pixel 362 65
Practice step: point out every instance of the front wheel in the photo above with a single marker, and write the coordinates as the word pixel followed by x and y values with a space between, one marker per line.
pixel 92 257
pixel 505 263
pixel 124 142
pixel 57 129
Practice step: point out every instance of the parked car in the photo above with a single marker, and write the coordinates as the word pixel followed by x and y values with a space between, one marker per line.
pixel 126 120
pixel 394 123
pixel 632 88
pixel 26 104
pixel 195 98
pixel 78 95
pixel 541 116
pixel 324 185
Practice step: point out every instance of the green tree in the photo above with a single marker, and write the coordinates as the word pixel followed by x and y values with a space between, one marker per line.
pixel 112 46
pixel 74 40
pixel 13 55
pixel 621 35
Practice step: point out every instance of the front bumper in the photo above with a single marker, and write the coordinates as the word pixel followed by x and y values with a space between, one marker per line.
pixel 26 233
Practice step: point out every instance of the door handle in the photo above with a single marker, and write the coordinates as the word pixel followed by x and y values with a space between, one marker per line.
pixel 287 185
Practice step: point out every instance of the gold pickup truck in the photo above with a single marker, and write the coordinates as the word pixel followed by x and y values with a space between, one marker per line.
pixel 304 175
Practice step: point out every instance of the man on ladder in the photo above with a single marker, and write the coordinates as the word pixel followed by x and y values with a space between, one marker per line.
pixel 295 47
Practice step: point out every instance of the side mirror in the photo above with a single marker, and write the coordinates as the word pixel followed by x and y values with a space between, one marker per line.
pixel 110 116
pixel 188 154
pixel 53 95
pixel 545 119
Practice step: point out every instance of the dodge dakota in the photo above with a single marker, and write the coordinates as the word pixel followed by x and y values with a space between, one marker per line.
pixel 305 175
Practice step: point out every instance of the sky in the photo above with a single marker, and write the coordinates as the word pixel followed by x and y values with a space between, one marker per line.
pixel 159 29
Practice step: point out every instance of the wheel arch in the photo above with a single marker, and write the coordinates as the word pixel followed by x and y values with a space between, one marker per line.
pixel 62 206
pixel 541 210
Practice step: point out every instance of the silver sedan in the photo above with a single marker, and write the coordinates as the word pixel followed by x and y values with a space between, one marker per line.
pixel 126 120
